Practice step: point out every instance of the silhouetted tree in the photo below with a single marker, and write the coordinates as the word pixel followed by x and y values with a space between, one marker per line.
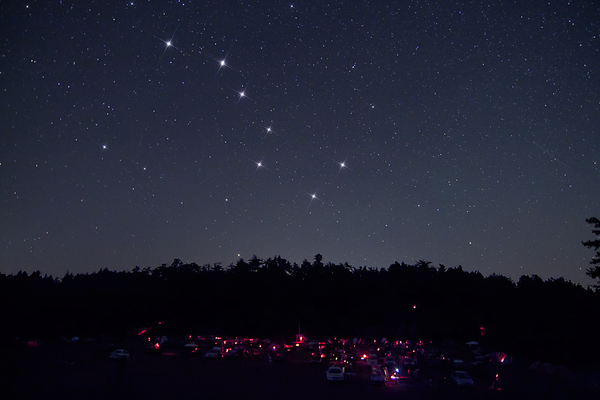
pixel 270 297
pixel 594 272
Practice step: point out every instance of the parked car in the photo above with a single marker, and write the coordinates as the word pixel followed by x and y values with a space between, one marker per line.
pixel 316 356
pixel 350 373
pixel 372 360
pixel 461 379
pixel 377 377
pixel 390 361
pixel 236 354
pixel 120 354
pixel 408 361
pixel 215 352
pixel 335 373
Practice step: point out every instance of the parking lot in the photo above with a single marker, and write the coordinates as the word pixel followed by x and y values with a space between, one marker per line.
pixel 87 374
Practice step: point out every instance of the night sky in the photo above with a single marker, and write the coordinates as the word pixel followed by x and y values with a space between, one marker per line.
pixel 133 133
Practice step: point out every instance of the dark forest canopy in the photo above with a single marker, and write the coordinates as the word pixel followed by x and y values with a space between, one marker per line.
pixel 548 320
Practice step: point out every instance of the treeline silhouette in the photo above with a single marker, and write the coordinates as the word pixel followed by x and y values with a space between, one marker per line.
pixel 550 320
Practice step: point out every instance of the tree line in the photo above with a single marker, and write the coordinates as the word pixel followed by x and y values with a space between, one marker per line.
pixel 551 320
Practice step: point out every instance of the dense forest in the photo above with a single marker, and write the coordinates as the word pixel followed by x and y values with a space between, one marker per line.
pixel 548 320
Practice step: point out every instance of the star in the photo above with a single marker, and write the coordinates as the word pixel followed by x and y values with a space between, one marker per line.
pixel 259 164
pixel 242 95
pixel 313 196
pixel 268 130
pixel 103 146
pixel 342 165
pixel 222 64
pixel 168 43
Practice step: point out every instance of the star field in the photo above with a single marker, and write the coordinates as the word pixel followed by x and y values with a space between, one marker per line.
pixel 137 132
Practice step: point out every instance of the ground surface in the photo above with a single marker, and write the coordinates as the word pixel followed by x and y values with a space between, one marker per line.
pixel 87 373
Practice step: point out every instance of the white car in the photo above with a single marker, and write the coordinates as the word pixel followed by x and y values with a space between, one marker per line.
pixel 461 378
pixel 335 373
pixel 120 354
pixel 215 352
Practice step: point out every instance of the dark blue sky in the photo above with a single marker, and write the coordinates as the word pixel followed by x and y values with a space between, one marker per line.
pixel 468 132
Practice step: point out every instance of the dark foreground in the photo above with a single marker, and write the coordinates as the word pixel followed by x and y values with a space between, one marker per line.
pixel 68 374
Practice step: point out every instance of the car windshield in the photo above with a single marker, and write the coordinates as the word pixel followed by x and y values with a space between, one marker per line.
pixel 335 371
pixel 462 375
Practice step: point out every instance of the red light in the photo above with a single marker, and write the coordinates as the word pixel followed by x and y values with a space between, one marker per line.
pixel 159 322
pixel 414 306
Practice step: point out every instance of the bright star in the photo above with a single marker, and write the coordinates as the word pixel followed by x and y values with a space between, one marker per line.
pixel 259 164
pixel 342 165
pixel 268 129
pixel 222 62
pixel 103 146
pixel 168 43
pixel 241 95
pixel 313 196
